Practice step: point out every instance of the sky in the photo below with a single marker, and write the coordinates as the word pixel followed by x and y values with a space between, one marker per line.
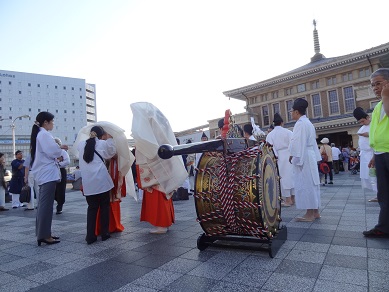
pixel 180 55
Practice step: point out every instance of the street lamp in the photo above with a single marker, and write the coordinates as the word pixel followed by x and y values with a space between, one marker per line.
pixel 13 131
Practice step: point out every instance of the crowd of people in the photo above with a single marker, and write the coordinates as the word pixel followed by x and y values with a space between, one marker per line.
pixel 105 163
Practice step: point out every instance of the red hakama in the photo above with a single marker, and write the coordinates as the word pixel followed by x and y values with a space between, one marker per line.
pixel 114 215
pixel 156 208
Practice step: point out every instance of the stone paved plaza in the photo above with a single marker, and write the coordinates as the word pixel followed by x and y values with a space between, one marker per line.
pixel 329 254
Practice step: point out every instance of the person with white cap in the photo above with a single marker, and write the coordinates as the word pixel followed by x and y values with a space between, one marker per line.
pixel 325 150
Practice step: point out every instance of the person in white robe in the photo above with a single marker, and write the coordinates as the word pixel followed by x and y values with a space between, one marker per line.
pixel 305 155
pixel 366 152
pixel 150 129
pixel 125 157
pixel 280 138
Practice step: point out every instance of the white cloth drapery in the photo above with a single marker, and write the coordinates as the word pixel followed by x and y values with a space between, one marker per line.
pixel 125 157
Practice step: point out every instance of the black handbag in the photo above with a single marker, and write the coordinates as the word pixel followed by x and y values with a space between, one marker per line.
pixel 25 194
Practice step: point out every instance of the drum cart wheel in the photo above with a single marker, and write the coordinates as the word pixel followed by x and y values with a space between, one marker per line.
pixel 245 242
pixel 201 245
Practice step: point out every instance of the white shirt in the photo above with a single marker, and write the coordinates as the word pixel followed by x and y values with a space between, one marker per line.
pixel 335 153
pixel 363 142
pixel 279 138
pixel 45 168
pixel 95 176
pixel 66 159
pixel 27 161
pixel 77 174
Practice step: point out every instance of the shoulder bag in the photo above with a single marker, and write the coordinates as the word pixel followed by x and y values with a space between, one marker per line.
pixel 25 194
pixel 324 156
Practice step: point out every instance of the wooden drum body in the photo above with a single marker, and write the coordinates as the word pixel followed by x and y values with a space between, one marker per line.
pixel 239 193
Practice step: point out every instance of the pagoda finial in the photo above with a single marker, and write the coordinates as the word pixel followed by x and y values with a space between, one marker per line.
pixel 316 44
pixel 316 39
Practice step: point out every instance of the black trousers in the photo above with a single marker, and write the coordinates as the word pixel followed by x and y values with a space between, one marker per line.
pixel 60 190
pixel 94 203
pixel 382 169
pixel 330 173
pixel 335 164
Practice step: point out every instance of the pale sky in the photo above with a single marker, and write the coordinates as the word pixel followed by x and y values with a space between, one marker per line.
pixel 179 55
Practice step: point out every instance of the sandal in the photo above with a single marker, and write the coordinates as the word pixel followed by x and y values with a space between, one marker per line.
pixel 303 219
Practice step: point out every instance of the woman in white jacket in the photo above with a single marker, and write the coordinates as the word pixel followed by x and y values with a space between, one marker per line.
pixel 44 153
pixel 96 181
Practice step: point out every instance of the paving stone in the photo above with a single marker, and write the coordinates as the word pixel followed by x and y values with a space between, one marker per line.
pixel 344 275
pixel 227 286
pixel 310 246
pixel 306 256
pixel 288 283
pixel 180 265
pixel 346 261
pixel 378 265
pixel 189 283
pixel 211 270
pixel 157 279
pixel 378 280
pixel 348 250
pixel 297 268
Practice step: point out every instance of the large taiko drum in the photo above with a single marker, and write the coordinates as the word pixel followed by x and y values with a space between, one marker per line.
pixel 238 193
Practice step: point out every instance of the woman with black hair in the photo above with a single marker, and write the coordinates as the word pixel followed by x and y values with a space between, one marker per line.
pixel 96 180
pixel 44 155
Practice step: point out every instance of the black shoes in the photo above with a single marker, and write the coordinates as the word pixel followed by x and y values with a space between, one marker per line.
pixel 59 209
pixel 330 183
pixel 90 241
pixel 4 209
pixel 375 233
pixel 47 242
pixel 27 209
pixel 105 237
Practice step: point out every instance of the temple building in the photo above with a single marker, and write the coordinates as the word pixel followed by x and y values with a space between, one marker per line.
pixel 333 87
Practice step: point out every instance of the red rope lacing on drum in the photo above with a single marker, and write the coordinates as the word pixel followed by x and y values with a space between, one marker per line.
pixel 225 200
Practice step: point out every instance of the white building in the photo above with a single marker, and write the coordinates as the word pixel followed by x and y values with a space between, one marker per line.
pixel 71 100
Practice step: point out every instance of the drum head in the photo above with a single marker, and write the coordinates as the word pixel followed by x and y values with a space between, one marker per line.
pixel 269 190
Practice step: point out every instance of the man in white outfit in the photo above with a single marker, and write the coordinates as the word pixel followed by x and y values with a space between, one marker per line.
pixel 367 152
pixel 305 156
pixel 280 138
pixel 335 157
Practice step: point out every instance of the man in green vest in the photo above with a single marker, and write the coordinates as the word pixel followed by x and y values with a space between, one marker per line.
pixel 379 141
